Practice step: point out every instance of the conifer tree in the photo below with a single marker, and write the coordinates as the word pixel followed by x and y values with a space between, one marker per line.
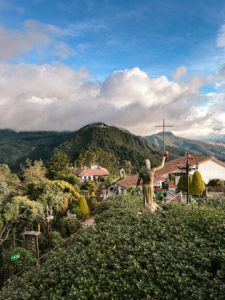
pixel 84 207
pixel 197 184
pixel 182 183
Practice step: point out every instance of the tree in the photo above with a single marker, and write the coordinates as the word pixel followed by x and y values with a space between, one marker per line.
pixel 84 207
pixel 58 166
pixel 4 191
pixel 12 180
pixel 182 183
pixel 197 184
pixel 34 173
pixel 127 166
pixel 18 212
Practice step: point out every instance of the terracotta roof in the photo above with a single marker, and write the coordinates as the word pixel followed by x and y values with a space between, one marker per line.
pixel 170 167
pixel 93 172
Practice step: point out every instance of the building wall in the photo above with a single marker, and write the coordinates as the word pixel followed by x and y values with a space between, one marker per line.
pixel 210 170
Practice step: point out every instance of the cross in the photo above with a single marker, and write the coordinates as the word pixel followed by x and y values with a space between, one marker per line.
pixel 164 125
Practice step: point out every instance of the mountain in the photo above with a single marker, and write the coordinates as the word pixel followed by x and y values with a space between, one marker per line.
pixel 16 147
pixel 121 143
pixel 189 145
pixel 217 138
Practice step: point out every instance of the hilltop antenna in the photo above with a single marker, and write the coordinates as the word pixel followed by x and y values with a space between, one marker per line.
pixel 164 125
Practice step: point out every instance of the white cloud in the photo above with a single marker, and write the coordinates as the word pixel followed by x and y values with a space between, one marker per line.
pixel 220 42
pixel 179 73
pixel 55 97
pixel 33 36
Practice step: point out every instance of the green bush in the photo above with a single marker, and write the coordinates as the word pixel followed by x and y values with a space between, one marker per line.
pixel 182 183
pixel 68 226
pixel 175 253
pixel 54 239
pixel 216 182
pixel 25 262
pixel 197 185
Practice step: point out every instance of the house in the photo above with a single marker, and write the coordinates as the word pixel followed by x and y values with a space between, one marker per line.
pixel 209 167
pixel 92 173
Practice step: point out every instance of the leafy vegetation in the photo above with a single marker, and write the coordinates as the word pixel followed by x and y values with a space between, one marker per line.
pixel 197 185
pixel 182 183
pixel 111 147
pixel 216 182
pixel 16 147
pixel 56 205
pixel 176 253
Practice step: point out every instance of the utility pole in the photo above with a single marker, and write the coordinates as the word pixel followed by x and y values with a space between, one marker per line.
pixel 187 169
pixel 163 126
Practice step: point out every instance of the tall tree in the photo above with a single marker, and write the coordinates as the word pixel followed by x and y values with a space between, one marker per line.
pixel 197 184
pixel 58 166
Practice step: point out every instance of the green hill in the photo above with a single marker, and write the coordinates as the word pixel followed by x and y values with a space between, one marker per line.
pixel 120 143
pixel 196 147
pixel 16 147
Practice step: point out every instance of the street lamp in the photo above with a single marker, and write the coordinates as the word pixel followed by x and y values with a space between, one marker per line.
pixel 189 167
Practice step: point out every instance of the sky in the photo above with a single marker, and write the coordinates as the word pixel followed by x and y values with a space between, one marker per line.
pixel 131 63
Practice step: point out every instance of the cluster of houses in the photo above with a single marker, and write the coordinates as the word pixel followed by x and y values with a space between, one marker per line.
pixel 209 167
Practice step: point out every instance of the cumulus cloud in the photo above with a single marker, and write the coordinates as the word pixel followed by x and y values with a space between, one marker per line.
pixel 56 97
pixel 179 73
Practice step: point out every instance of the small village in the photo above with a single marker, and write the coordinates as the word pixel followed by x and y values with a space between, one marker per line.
pixel 112 150
pixel 166 180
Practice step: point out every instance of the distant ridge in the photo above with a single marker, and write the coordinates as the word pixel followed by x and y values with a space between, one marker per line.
pixel 194 146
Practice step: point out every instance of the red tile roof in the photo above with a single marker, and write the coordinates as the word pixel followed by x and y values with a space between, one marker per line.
pixel 170 167
pixel 93 172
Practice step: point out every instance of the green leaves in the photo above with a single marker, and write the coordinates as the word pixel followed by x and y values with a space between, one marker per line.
pixel 177 253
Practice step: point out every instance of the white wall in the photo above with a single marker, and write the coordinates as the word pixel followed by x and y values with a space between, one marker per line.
pixel 210 170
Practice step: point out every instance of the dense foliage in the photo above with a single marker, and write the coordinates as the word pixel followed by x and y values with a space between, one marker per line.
pixel 197 185
pixel 16 147
pixel 121 145
pixel 177 253
pixel 33 200
pixel 182 183
pixel 216 182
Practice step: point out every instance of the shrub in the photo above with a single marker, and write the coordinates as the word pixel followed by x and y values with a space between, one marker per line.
pixel 68 225
pixel 176 253
pixel 216 182
pixel 83 207
pixel 182 183
pixel 197 185
pixel 25 262
pixel 54 239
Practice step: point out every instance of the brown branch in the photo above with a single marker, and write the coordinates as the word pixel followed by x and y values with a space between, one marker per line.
pixel 3 239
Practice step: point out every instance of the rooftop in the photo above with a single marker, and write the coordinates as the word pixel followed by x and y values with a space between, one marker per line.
pixel 170 167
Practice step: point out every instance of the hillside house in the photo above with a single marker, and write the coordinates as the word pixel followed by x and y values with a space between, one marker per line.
pixel 92 173
pixel 209 168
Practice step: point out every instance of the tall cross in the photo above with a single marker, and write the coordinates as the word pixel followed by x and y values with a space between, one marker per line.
pixel 164 125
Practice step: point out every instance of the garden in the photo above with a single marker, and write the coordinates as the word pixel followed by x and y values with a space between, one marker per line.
pixel 176 253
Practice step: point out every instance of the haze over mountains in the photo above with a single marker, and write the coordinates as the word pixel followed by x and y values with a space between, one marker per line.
pixel 190 145
pixel 15 147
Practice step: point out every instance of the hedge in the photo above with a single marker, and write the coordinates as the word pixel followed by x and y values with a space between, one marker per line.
pixel 176 253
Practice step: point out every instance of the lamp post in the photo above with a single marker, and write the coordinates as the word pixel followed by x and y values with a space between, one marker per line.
pixel 189 167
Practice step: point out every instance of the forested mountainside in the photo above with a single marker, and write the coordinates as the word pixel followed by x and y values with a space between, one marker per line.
pixel 197 147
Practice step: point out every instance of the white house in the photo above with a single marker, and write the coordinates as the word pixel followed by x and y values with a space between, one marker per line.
pixel 209 167
pixel 92 173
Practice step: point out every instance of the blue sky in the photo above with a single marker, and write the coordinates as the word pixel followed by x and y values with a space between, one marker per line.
pixel 98 38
